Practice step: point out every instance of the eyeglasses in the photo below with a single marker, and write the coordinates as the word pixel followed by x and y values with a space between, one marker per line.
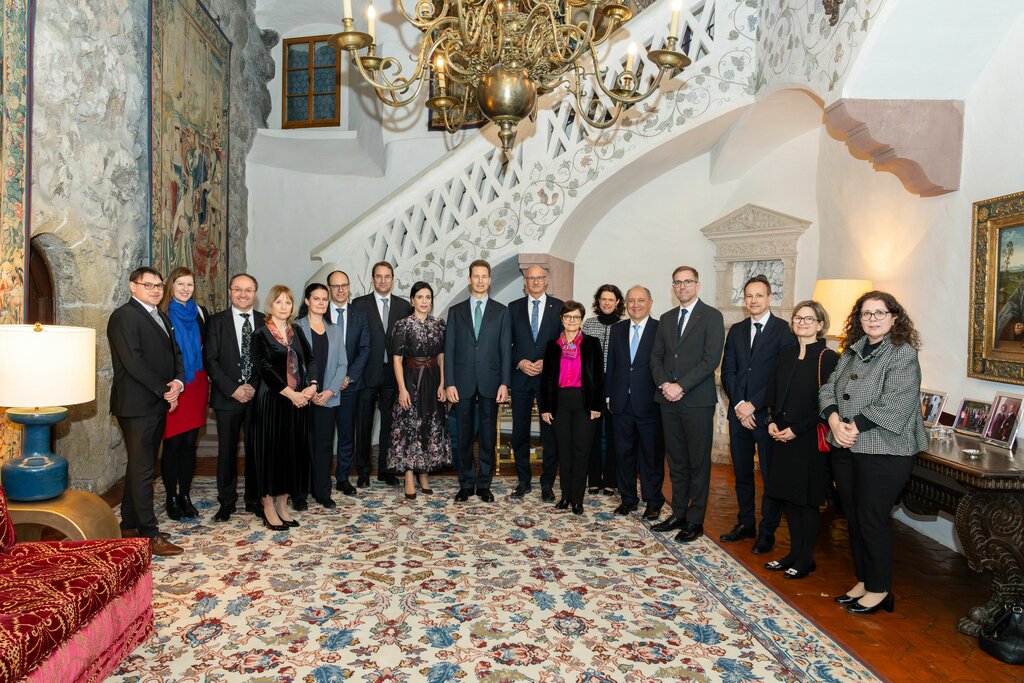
pixel 239 290
pixel 572 318
pixel 683 283
pixel 805 319
pixel 345 286
pixel 873 315
pixel 535 278
pixel 151 285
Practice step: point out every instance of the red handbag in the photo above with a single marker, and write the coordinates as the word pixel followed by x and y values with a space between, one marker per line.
pixel 823 429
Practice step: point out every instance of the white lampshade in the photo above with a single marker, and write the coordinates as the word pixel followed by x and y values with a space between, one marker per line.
pixel 838 297
pixel 46 365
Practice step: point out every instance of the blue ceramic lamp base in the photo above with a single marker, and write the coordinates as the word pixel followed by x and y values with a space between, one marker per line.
pixel 38 474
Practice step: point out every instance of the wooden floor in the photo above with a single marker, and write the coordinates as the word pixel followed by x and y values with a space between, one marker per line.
pixel 934 588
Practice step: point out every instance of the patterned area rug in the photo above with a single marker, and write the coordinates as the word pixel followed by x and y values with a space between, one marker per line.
pixel 429 590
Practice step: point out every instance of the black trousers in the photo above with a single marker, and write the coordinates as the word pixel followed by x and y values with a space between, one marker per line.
pixel 178 462
pixel 470 411
pixel 868 487
pixel 522 416
pixel 322 423
pixel 345 424
pixel 230 427
pixel 380 398
pixel 602 471
pixel 803 522
pixel 142 436
pixel 574 431
pixel 742 443
pixel 639 449
pixel 688 439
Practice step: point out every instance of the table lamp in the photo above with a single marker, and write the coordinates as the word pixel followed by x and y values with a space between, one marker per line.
pixel 837 297
pixel 42 369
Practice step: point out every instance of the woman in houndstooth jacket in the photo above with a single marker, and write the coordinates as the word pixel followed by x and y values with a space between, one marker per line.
pixel 871 404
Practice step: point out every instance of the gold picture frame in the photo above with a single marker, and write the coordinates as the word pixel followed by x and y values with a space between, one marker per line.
pixel 995 337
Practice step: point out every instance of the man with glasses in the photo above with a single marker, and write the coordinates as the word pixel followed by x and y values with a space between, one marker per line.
pixel 356 332
pixel 233 381
pixel 534 320
pixel 382 310
pixel 148 377
pixel 686 352
pixel 751 351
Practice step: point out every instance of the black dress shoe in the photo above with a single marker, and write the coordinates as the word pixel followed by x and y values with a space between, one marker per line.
pixel 670 524
pixel 275 527
pixel 794 573
pixel 652 512
pixel 327 504
pixel 485 495
pixel 547 495
pixel 845 600
pixel 624 509
pixel 777 565
pixel 187 508
pixel 562 505
pixel 223 514
pixel 594 490
pixel 300 505
pixel 888 603
pixel 389 479
pixel 738 533
pixel 346 488
pixel 577 508
pixel 363 481
pixel 463 495
pixel 520 490
pixel 764 544
pixel 690 533
pixel 252 507
pixel 173 508
pixel 607 492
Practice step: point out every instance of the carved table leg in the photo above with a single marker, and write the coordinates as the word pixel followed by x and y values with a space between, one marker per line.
pixel 990 525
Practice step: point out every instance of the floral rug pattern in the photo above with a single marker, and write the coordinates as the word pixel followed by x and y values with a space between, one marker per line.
pixel 388 590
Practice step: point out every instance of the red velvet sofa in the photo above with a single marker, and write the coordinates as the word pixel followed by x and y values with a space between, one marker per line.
pixel 71 610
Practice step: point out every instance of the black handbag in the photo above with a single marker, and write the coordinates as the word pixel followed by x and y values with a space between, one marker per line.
pixel 1004 637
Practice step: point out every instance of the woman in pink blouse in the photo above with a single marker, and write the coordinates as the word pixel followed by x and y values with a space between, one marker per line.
pixel 572 391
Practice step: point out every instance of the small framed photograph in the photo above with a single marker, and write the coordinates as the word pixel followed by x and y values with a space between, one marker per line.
pixel 931 406
pixel 1004 419
pixel 972 416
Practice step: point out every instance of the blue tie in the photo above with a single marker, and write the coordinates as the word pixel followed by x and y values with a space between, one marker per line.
pixel 340 315
pixel 634 343
pixel 682 321
pixel 535 319
pixel 478 317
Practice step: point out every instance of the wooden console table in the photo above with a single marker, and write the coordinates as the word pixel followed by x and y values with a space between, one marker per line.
pixel 79 515
pixel 986 494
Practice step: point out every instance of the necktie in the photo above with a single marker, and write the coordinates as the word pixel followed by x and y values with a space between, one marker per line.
pixel 245 359
pixel 384 319
pixel 478 317
pixel 757 333
pixel 159 321
pixel 339 317
pixel 535 319
pixel 634 343
pixel 682 321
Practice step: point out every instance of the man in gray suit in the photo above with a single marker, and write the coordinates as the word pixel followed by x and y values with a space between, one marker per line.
pixel 686 352
pixel 477 369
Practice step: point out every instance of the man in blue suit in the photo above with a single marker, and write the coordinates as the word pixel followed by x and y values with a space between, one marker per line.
pixel 751 350
pixel 477 366
pixel 629 387
pixel 535 321
pixel 356 330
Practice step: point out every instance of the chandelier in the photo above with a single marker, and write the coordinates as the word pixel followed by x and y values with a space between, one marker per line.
pixel 501 55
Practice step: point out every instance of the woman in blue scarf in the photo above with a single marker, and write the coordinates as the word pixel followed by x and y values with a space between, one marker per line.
pixel 181 434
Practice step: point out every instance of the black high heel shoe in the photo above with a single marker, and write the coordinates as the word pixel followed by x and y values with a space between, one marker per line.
pixel 424 490
pixel 290 523
pixel 410 496
pixel 888 603
pixel 274 527
pixel 845 599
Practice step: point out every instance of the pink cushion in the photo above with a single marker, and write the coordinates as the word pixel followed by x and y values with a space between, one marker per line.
pixel 6 525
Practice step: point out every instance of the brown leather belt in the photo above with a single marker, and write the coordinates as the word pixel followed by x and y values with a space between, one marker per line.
pixel 413 362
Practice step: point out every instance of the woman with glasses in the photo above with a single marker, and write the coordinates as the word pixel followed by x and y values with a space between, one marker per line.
pixel 181 433
pixel 798 473
pixel 871 404
pixel 609 308
pixel 570 399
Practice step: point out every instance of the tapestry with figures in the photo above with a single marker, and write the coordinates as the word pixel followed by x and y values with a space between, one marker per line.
pixel 190 80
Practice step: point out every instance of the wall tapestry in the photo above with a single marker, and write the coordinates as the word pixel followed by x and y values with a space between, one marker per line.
pixel 996 332
pixel 15 84
pixel 190 80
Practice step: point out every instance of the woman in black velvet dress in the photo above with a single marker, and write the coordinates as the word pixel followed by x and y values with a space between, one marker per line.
pixel 279 430
pixel 798 473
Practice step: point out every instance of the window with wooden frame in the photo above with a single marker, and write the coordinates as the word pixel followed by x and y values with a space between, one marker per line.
pixel 312 83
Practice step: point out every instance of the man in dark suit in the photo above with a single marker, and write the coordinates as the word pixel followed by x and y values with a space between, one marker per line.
pixel 629 387
pixel 477 366
pixel 233 380
pixel 382 309
pixel 148 377
pixel 686 352
pixel 535 321
pixel 751 350
pixel 356 330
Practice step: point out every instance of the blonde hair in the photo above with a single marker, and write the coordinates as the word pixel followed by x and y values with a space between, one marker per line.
pixel 273 294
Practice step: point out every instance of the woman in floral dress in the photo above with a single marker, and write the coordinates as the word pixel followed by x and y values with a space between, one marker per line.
pixel 419 434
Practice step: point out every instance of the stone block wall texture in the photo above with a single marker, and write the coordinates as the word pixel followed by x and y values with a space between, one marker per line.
pixel 90 178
